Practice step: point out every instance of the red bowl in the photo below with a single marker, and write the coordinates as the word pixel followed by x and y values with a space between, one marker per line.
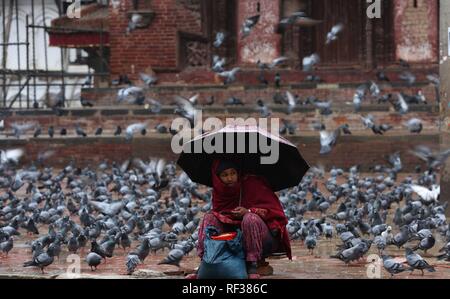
pixel 224 237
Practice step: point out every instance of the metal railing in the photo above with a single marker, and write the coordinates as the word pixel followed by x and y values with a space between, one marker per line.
pixel 27 80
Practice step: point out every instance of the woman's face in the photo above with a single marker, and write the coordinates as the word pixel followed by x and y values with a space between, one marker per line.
pixel 229 176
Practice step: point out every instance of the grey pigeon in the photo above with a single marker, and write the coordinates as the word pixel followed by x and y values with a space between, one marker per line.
pixel 93 259
pixel 416 262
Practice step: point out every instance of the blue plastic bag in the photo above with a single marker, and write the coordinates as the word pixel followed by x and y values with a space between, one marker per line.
pixel 222 259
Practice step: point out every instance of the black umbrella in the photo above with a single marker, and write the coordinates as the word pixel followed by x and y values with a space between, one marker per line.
pixel 286 172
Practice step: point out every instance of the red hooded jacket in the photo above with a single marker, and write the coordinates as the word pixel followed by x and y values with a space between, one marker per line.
pixel 251 192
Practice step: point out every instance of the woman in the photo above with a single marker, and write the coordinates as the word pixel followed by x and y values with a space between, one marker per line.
pixel 246 201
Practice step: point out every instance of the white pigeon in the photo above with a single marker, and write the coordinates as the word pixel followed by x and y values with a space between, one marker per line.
pixel 403 107
pixel 131 95
pixel 220 38
pixel 218 64
pixel 290 99
pixel 133 128
pixel 230 75
pixel 10 156
pixel 310 61
pixel 333 34
pixel 148 79
pixel 427 195
pixel 414 125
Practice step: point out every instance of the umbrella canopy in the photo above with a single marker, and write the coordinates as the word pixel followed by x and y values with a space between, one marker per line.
pixel 247 145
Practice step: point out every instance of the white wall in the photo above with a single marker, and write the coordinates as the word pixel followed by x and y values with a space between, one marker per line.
pixel 41 43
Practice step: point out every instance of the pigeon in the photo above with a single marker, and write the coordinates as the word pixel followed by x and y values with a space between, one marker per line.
pixel 311 241
pixel 7 246
pixel 290 101
pixel 131 95
pixel 434 160
pixel 109 209
pixel 277 80
pixel 324 107
pixel 369 123
pixel 414 125
pixel 93 260
pixel 51 131
pixel 416 262
pixel 21 129
pixel 333 34
pixel 374 89
pixel 80 131
pixel 160 128
pixel 186 109
pixel 138 256
pixel 298 18
pixel 134 22
pixel 230 76
pixel 425 244
pixel 276 62
pixel 173 258
pixel 118 131
pixel 233 101
pixel 149 80
pixel 220 38
pixel 287 127
pixel 408 77
pixel 310 61
pixel 392 266
pixel 400 105
pixel 10 156
pixel 427 196
pixel 98 250
pixel 41 259
pixel 350 254
pixel 248 25
pixel 133 128
pixel 98 131
pixel 37 132
pixel 381 76
pixel 328 139
pixel 85 103
pixel 218 64
pixel 263 109
pixel 63 132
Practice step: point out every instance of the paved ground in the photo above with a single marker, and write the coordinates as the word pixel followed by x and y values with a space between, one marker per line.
pixel 303 264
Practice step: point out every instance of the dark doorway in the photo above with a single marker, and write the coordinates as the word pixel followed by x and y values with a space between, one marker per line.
pixel 350 50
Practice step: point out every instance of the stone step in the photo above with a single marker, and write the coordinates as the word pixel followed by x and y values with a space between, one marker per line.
pixel 350 149
pixel 338 92
pixel 92 118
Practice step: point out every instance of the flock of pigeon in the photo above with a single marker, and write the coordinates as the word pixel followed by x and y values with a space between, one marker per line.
pixel 112 205
pixel 153 204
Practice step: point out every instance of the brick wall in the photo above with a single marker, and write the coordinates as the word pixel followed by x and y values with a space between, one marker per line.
pixel 263 43
pixel 155 46
pixel 416 30
pixel 366 151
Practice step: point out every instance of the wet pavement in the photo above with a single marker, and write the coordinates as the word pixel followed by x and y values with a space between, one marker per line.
pixel 303 265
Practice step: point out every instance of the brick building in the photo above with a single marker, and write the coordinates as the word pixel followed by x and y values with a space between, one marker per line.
pixel 175 37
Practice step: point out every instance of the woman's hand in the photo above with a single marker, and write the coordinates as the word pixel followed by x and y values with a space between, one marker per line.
pixel 239 212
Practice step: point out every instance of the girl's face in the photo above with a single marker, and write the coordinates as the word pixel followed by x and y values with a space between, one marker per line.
pixel 229 176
